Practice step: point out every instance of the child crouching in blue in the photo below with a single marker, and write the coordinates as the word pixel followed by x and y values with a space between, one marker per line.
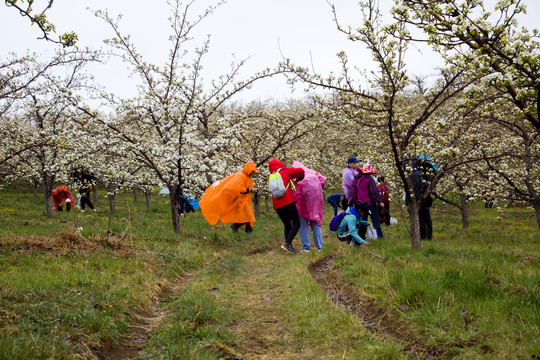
pixel 352 228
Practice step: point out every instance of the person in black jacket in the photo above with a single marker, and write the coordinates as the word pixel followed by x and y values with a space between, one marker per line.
pixel 85 187
pixel 420 184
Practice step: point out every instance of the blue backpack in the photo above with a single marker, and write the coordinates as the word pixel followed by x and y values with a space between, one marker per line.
pixel 336 220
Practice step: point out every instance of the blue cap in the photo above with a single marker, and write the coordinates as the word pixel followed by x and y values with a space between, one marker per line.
pixel 352 159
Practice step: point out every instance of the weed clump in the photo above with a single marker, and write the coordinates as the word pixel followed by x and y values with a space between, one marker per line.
pixel 65 243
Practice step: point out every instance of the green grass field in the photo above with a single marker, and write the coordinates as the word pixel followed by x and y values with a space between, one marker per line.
pixel 78 285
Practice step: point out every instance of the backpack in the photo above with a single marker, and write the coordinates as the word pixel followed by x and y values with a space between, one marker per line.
pixel 336 220
pixel 276 185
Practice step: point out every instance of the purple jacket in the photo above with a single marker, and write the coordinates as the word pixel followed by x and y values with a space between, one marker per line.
pixel 365 189
pixel 347 184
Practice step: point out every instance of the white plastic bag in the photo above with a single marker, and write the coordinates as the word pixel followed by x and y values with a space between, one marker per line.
pixel 371 233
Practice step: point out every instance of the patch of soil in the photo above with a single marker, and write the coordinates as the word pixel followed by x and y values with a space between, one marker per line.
pixel 262 249
pixel 67 242
pixel 374 317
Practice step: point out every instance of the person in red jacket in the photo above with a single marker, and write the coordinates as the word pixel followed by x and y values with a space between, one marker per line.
pixel 285 206
pixel 61 195
pixel 384 211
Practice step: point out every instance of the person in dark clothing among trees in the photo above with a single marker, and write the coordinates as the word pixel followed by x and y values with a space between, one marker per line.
pixel 85 187
pixel 420 184
pixel 384 212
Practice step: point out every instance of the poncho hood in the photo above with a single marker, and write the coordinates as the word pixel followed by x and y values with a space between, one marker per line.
pixel 275 164
pixel 249 168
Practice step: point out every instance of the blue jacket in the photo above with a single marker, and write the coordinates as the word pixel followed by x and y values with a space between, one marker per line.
pixel 348 226
pixel 335 198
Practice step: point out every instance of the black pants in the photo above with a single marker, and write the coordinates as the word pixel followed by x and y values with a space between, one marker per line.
pixel 68 207
pixel 247 227
pixel 426 226
pixel 290 219
pixel 85 199
pixel 362 230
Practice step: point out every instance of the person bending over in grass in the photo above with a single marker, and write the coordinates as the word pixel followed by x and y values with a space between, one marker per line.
pixel 352 228
pixel 337 201
pixel 61 195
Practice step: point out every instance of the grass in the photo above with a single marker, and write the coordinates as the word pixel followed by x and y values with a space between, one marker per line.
pixel 66 293
pixel 474 291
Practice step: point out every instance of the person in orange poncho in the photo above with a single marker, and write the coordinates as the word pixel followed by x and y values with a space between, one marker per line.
pixel 229 200
pixel 61 195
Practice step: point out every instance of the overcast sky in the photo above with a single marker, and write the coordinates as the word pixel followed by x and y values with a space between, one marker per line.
pixel 264 30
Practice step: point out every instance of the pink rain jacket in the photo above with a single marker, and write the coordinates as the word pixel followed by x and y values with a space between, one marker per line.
pixel 309 194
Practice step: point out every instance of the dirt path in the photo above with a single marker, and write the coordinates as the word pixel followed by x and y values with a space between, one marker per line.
pixel 259 299
pixel 148 319
pixel 144 322
pixel 374 317
pixel 262 330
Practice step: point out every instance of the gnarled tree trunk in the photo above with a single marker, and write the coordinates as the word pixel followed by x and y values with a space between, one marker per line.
pixel 412 207
pixel 34 187
pixel 256 204
pixel 47 188
pixel 148 196
pixel 111 195
pixel 267 203
pixel 173 192
pixel 464 211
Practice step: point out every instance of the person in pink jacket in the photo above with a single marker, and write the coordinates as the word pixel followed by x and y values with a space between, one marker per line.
pixel 285 206
pixel 310 205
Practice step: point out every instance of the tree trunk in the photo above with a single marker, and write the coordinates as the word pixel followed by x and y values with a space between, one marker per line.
pixel 47 188
pixel 94 194
pixel 536 206
pixel 464 211
pixel 256 204
pixel 111 195
pixel 267 203
pixel 148 196
pixel 34 187
pixel 174 208
pixel 412 207
pixel 135 195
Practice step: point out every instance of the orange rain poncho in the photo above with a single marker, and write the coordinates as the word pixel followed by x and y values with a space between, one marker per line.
pixel 228 200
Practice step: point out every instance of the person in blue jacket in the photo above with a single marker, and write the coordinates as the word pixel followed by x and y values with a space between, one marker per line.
pixel 352 228
pixel 337 201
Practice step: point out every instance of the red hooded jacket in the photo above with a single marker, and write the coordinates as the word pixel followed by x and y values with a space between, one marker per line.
pixel 60 195
pixel 287 174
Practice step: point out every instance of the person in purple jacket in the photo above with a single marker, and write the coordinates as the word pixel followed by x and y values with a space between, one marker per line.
pixel 364 189
pixel 348 177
